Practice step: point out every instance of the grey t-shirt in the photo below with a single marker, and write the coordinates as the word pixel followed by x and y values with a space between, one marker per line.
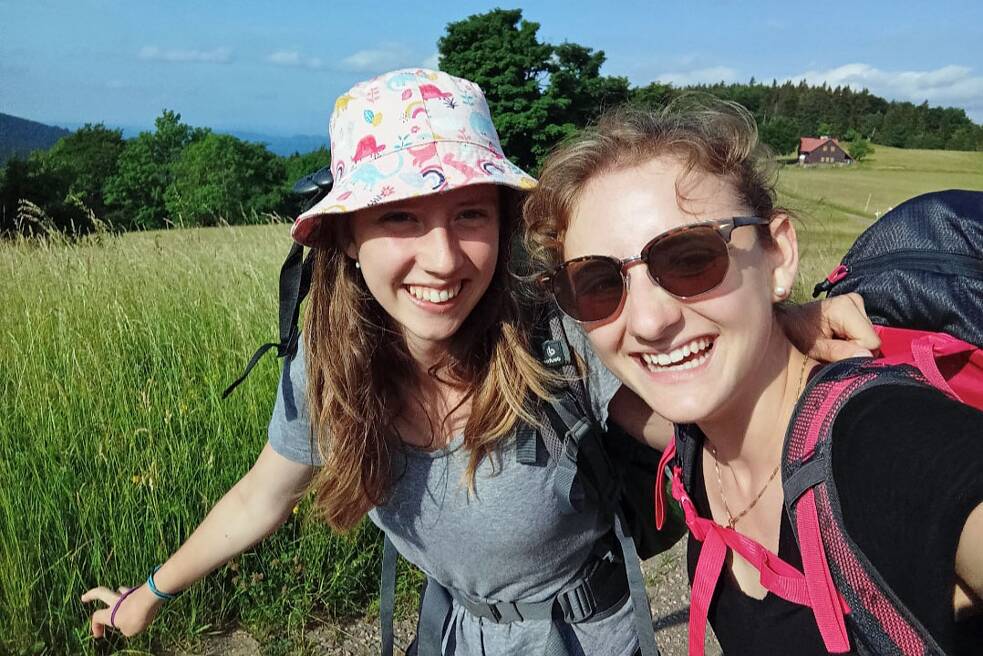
pixel 508 541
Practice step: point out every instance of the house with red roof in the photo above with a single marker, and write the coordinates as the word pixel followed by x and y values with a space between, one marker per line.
pixel 822 150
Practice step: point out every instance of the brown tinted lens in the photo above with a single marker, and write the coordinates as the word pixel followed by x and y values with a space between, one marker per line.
pixel 689 263
pixel 589 290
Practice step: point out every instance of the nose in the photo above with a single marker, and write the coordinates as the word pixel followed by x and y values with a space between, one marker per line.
pixel 652 314
pixel 440 251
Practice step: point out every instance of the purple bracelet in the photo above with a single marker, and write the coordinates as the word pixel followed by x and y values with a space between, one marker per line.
pixel 112 616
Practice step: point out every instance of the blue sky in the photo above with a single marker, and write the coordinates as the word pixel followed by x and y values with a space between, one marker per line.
pixel 277 67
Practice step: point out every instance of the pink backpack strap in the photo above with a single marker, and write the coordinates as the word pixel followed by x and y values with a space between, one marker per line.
pixel 830 560
pixel 775 575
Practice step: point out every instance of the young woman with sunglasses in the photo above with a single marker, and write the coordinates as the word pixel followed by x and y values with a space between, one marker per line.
pixel 661 236
pixel 414 371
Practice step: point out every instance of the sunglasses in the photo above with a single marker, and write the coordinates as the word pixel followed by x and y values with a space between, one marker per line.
pixel 685 261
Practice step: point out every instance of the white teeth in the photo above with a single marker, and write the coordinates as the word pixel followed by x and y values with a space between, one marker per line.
pixel 673 360
pixel 434 295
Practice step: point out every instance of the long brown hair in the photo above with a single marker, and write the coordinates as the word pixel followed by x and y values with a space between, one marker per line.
pixel 707 135
pixel 358 368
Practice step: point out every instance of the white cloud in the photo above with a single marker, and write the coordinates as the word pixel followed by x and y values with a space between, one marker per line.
pixel 375 60
pixel 294 58
pixel 948 85
pixel 214 56
pixel 432 62
pixel 699 76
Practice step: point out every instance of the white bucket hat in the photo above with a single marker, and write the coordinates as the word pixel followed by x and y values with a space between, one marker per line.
pixel 409 133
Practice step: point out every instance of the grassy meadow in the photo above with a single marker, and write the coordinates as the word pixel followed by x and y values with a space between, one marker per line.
pixel 114 439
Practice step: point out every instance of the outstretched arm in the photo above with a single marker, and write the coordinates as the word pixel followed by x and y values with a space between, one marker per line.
pixel 255 507
pixel 969 567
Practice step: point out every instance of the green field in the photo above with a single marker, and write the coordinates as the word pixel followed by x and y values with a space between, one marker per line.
pixel 834 203
pixel 115 441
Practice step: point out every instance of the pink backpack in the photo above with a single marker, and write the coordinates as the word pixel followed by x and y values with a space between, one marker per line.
pixel 920 267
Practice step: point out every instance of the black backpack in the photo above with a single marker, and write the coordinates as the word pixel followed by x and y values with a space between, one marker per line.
pixel 609 466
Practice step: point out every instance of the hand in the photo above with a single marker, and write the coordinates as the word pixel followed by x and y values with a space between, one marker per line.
pixel 831 329
pixel 134 614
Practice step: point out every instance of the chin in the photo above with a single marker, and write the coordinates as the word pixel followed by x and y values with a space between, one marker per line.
pixel 686 408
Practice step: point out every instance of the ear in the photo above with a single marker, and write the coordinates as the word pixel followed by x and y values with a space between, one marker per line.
pixel 784 253
pixel 343 235
pixel 351 250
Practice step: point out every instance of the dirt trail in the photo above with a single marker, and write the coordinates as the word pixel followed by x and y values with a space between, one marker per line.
pixel 667 588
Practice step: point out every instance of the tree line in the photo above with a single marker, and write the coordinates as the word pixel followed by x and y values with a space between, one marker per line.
pixel 539 94
pixel 175 175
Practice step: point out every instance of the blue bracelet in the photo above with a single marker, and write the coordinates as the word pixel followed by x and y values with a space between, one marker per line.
pixel 165 596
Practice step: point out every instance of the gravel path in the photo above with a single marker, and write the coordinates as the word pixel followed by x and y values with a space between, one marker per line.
pixel 667 587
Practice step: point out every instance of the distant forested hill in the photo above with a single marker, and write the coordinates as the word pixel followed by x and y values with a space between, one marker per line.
pixel 20 136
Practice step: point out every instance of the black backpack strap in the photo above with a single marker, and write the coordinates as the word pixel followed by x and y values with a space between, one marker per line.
pixel 435 605
pixel 295 283
pixel 642 611
pixel 295 278
pixel 574 431
pixel 573 418
pixel 526 444
pixel 387 595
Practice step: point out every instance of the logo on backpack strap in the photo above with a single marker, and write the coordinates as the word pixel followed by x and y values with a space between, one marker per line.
pixel 555 353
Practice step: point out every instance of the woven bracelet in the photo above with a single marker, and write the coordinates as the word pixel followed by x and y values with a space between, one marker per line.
pixel 164 596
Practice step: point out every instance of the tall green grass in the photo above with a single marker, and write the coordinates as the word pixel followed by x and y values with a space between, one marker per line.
pixel 115 442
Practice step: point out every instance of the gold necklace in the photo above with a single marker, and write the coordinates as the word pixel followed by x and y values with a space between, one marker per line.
pixel 731 519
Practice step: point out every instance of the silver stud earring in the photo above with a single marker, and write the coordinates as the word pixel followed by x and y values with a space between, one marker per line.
pixel 358 264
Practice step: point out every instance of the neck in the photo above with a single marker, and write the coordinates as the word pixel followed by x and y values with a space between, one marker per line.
pixel 425 354
pixel 748 433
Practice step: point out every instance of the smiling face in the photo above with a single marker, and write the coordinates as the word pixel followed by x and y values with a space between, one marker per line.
pixel 691 360
pixel 429 260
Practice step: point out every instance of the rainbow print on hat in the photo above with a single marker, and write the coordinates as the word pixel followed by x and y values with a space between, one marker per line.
pixel 409 133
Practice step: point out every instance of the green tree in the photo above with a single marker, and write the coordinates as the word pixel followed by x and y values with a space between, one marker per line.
pixel 27 179
pixel 781 134
pixel 136 193
pixel 654 95
pixel 84 161
pixel 220 178
pixel 577 93
pixel 297 166
pixel 501 53
pixel 538 93
pixel 859 149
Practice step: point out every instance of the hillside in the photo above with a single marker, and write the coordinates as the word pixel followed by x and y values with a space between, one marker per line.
pixel 834 203
pixel 21 136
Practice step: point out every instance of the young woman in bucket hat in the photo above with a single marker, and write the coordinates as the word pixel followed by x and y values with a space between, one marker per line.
pixel 413 373
pixel 684 195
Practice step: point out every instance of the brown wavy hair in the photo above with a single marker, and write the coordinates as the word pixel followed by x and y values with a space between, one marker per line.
pixel 358 368
pixel 707 135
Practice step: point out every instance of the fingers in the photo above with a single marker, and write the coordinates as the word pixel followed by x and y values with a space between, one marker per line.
pixel 103 594
pixel 850 321
pixel 833 350
pixel 100 620
pixel 102 617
